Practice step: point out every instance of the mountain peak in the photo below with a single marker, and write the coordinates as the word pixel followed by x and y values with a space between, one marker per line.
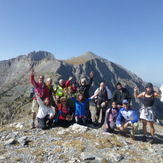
pixel 83 58
pixel 89 55
pixel 37 56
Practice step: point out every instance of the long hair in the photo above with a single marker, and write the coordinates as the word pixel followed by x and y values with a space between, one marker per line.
pixel 80 94
pixel 151 91
pixel 50 102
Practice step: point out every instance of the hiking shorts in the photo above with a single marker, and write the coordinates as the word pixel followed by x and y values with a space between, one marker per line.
pixel 34 107
pixel 147 115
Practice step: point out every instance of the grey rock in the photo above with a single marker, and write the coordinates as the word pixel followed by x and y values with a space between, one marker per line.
pixel 79 128
pixel 2 158
pixel 114 156
pixel 9 142
pixel 87 156
pixel 20 125
pixel 10 136
pixel 81 145
pixel 23 140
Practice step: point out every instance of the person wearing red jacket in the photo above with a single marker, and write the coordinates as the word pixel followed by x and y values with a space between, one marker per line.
pixel 44 93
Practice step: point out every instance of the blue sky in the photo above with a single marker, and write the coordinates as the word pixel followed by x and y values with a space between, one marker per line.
pixel 127 32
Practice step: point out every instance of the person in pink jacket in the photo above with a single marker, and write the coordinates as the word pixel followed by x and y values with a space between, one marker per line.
pixel 44 93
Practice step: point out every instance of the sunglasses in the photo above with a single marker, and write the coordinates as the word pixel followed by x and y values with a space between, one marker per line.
pixel 63 101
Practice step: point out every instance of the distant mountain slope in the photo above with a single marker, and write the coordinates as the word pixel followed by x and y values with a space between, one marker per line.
pixel 15 84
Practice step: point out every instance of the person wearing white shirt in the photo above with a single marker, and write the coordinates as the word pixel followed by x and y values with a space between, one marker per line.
pixel 45 112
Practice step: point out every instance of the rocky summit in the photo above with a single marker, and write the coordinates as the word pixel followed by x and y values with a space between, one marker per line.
pixel 76 144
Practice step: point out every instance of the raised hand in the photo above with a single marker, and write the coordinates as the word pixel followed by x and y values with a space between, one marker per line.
pixel 33 72
pixel 91 74
pixel 70 78
pixel 135 89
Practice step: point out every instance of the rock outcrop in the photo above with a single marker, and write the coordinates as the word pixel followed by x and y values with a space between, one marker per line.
pixel 76 144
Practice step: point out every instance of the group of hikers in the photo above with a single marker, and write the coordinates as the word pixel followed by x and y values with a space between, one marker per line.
pixel 68 103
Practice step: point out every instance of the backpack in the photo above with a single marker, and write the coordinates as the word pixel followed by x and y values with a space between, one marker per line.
pixel 32 92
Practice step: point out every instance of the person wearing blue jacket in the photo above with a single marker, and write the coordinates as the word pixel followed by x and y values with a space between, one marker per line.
pixel 127 117
pixel 80 111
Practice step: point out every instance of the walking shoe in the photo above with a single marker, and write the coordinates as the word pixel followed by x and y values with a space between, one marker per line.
pixel 151 141
pixel 144 139
pixel 95 124
pixel 132 137
pixel 32 125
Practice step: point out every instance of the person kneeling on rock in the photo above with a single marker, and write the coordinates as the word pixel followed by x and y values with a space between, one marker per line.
pixel 110 118
pixel 127 117
pixel 45 113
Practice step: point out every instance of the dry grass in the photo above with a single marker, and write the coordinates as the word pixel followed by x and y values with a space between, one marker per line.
pixel 58 142
pixel 17 159
pixel 40 159
pixel 76 61
pixel 76 144
pixel 58 150
pixel 38 152
pixel 63 157
pixel 2 151
pixel 3 129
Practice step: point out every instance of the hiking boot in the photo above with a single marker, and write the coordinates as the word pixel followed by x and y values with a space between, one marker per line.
pixel 132 137
pixel 144 139
pixel 32 125
pixel 89 121
pixel 151 141
pixel 95 123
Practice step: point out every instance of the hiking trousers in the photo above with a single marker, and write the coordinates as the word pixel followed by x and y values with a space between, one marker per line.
pixel 134 128
pixel 97 115
pixel 42 122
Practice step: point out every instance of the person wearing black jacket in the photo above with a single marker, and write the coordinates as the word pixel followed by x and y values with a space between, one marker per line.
pixel 84 88
pixel 120 94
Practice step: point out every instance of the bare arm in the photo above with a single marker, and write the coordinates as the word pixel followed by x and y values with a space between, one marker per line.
pixel 96 94
pixel 157 95
pixel 136 95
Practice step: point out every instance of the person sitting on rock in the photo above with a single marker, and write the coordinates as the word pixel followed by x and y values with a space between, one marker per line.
pixel 110 118
pixel 45 112
pixel 127 117
pixel 80 111
pixel 64 117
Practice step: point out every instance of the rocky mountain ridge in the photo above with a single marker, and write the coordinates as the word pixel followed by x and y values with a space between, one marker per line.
pixel 15 85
